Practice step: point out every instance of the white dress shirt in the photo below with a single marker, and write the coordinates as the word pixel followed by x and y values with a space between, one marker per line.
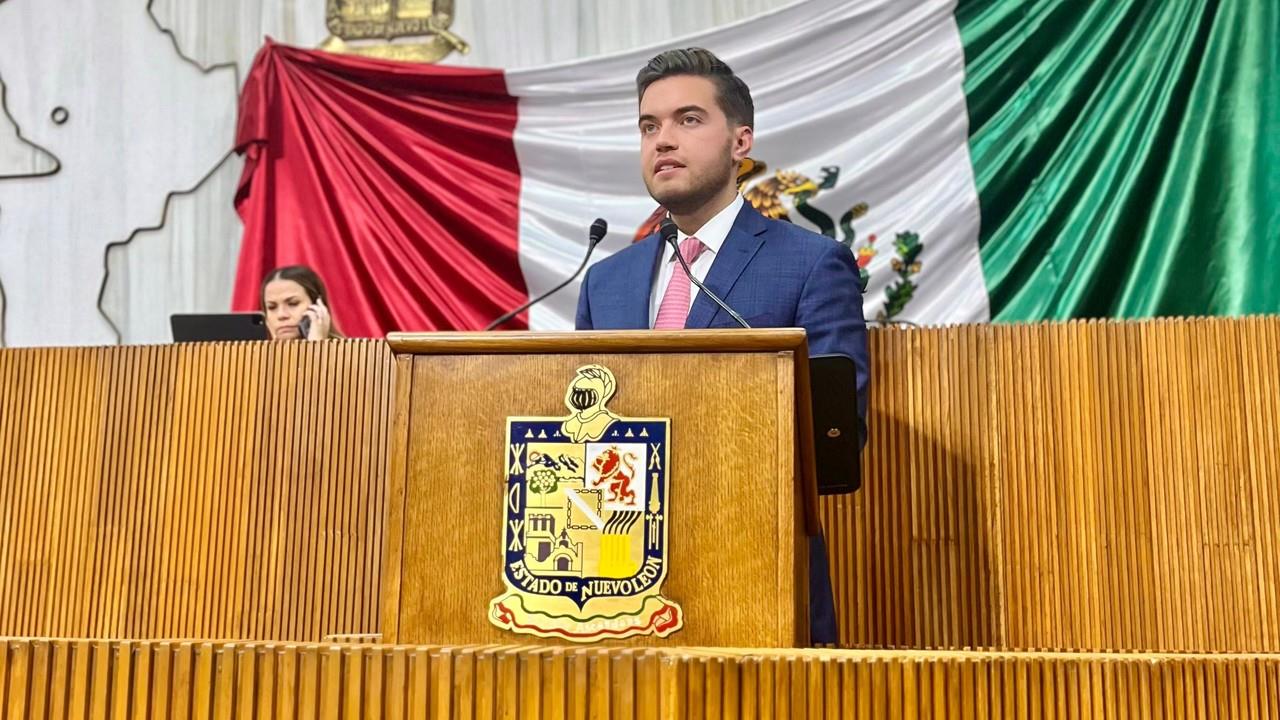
pixel 712 235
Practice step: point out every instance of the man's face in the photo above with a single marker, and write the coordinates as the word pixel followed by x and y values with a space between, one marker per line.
pixel 689 152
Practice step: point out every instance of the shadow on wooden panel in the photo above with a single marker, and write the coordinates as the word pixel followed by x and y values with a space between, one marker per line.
pixel 911 551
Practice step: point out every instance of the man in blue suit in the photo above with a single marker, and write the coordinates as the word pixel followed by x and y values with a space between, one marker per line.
pixel 696 120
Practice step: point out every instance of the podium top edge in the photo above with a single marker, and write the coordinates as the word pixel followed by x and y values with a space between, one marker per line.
pixel 598 341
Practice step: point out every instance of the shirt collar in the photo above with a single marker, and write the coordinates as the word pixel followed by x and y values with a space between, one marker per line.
pixel 713 233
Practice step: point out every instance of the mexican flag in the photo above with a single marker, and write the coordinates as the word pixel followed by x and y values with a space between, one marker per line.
pixel 995 160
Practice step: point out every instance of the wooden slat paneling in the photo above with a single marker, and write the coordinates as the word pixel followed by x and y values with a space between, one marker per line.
pixel 1086 485
pixel 1089 485
pixel 203 491
pixel 134 679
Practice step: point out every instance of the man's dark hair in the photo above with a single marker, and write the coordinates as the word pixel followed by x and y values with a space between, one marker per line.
pixel 732 94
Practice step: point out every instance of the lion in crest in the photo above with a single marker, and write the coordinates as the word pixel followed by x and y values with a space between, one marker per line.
pixel 617 469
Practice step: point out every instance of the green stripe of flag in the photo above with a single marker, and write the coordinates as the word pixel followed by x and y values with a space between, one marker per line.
pixel 1127 155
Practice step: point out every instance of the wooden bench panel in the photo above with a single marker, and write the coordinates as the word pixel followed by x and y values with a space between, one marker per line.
pixel 203 491
pixel 1060 486
pixel 1087 485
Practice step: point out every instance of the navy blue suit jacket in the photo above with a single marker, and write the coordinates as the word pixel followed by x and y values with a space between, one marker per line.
pixel 771 272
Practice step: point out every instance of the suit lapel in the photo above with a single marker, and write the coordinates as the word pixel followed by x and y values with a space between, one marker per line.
pixel 740 246
pixel 638 284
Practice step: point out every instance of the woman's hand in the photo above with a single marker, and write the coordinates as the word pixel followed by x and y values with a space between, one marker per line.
pixel 321 322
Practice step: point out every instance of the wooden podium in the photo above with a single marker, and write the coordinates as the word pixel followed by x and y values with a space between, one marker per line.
pixel 742 491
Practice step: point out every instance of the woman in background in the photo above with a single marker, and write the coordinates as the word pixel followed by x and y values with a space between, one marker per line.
pixel 296 305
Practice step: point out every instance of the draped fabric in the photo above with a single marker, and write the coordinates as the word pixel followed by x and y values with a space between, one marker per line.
pixel 1126 155
pixel 1124 151
pixel 398 183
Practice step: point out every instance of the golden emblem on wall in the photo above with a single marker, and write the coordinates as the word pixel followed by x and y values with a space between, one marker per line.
pixel 373 27
pixel 584 518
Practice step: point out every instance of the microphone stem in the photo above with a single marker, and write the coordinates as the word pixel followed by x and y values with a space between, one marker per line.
pixel 680 258
pixel 508 316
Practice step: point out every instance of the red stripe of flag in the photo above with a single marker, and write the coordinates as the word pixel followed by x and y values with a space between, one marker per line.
pixel 398 183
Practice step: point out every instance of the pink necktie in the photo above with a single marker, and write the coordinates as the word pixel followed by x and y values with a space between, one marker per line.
pixel 674 308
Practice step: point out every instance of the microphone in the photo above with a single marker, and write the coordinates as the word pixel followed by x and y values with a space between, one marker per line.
pixel 599 229
pixel 669 234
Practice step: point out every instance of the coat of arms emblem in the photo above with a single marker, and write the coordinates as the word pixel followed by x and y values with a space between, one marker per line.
pixel 585 521
pixel 372 27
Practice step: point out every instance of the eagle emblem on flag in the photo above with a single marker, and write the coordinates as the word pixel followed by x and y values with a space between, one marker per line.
pixel 584 517
pixel 778 194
